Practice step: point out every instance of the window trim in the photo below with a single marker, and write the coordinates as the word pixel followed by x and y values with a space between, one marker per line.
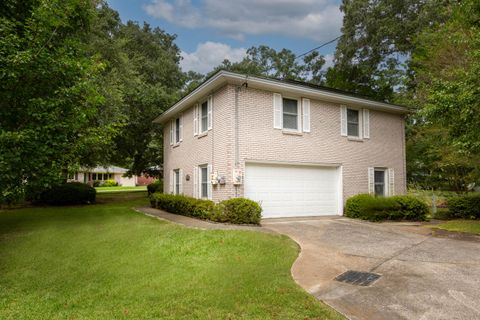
pixel 176 138
pixel 359 124
pixel 385 181
pixel 176 181
pixel 299 115
pixel 200 117
pixel 200 181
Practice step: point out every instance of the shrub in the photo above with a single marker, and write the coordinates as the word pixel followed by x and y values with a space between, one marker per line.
pixel 465 207
pixel 412 208
pixel 238 211
pixel 68 193
pixel 97 183
pixel 156 186
pixel 368 207
pixel 110 183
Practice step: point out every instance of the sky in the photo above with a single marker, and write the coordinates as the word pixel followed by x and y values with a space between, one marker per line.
pixel 209 31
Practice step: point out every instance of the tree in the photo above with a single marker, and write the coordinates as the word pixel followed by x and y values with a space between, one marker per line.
pixel 447 75
pixel 48 94
pixel 446 70
pixel 377 41
pixel 283 64
pixel 141 80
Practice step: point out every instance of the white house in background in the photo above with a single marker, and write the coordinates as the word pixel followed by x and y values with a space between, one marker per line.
pixel 89 175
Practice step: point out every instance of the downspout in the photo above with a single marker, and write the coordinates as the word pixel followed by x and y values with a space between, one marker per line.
pixel 236 134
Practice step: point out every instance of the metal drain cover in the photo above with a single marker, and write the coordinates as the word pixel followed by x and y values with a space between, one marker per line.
pixel 358 278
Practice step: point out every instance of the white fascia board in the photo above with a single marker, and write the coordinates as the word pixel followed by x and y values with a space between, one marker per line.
pixel 275 86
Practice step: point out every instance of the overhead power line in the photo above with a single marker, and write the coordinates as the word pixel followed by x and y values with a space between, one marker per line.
pixel 320 46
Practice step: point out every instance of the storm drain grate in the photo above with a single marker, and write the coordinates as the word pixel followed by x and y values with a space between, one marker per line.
pixel 358 278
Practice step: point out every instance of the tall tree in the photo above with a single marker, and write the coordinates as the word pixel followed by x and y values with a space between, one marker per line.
pixel 377 41
pixel 445 142
pixel 48 95
pixel 283 64
pixel 142 78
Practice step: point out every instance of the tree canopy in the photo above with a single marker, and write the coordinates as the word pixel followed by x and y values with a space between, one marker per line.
pixel 49 99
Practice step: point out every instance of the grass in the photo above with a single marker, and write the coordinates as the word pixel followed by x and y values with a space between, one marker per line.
pixel 120 189
pixel 469 226
pixel 106 261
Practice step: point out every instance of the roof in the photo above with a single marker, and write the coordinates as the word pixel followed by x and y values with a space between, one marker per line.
pixel 102 169
pixel 303 89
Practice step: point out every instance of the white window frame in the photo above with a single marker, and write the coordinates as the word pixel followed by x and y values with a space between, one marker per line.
pixel 201 129
pixel 176 181
pixel 176 139
pixel 360 122
pixel 299 115
pixel 385 181
pixel 200 182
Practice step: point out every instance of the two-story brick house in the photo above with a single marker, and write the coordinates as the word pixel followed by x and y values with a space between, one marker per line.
pixel 298 149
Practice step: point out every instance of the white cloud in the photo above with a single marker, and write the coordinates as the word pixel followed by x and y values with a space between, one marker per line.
pixel 319 20
pixel 209 55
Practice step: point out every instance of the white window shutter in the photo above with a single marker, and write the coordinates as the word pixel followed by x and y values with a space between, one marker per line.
pixel 172 124
pixel 306 115
pixel 209 189
pixel 277 111
pixel 210 107
pixel 391 182
pixel 343 120
pixel 171 182
pixel 180 181
pixel 195 120
pixel 195 182
pixel 366 123
pixel 371 180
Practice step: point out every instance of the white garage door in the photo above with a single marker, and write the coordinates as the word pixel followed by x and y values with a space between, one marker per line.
pixel 293 191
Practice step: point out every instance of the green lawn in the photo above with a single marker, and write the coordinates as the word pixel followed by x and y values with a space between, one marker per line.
pixel 120 189
pixel 470 226
pixel 107 261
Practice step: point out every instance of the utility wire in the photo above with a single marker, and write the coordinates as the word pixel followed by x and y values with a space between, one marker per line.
pixel 323 45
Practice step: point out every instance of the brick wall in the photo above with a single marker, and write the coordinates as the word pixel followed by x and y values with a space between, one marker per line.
pixel 258 140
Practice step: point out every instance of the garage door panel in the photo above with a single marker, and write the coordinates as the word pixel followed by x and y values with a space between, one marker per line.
pixel 289 191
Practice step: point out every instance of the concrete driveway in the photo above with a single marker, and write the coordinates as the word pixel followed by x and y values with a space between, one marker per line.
pixel 422 276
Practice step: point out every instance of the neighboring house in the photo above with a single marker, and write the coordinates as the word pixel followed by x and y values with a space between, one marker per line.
pixel 89 175
pixel 298 149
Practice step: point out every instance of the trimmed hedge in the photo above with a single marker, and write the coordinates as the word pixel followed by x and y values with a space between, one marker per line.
pixel 368 207
pixel 156 186
pixel 465 207
pixel 68 194
pixel 237 210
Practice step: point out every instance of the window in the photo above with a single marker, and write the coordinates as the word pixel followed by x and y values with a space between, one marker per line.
pixel 177 130
pixel 204 182
pixel 177 181
pixel 353 123
pixel 379 180
pixel 290 114
pixel 204 117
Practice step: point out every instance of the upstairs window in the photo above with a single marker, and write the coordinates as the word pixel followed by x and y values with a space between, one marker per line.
pixel 290 114
pixel 204 117
pixel 177 130
pixel 353 123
